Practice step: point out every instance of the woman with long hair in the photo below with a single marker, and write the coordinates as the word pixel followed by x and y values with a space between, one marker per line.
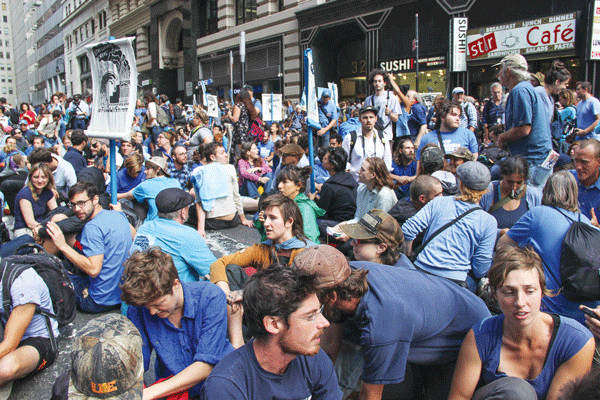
pixel 35 200
pixel 253 171
pixel 291 183
pixel 242 116
pixel 523 353
pixel 285 239
pixel 27 114
pixel 544 228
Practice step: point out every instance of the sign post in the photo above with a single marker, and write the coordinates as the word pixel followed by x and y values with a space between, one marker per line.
pixel 114 87
pixel 312 112
pixel 243 57
pixel 416 46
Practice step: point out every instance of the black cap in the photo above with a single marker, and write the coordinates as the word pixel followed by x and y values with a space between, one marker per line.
pixel 173 199
pixel 369 108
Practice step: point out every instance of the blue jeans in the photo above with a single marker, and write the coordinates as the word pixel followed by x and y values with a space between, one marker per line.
pixel 156 130
pixel 323 141
pixel 62 129
pixel 538 176
pixel 78 123
pixel 250 189
pixel 86 304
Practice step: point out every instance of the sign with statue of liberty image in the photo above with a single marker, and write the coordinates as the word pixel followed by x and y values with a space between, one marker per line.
pixel 114 88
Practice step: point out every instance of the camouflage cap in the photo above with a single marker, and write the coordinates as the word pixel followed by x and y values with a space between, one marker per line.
pixel 107 360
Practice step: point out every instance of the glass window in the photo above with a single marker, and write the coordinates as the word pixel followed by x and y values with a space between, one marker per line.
pixel 245 11
pixel 4 6
pixel 3 78
pixel 6 43
pixel 5 18
pixel 93 23
pixel 9 79
pixel 10 91
pixel 8 55
pixel 1 66
pixel 8 67
pixel 3 90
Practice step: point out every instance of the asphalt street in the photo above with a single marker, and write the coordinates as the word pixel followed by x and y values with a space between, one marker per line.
pixel 40 385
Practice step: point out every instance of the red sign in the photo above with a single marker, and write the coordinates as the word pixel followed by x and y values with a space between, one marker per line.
pixel 482 45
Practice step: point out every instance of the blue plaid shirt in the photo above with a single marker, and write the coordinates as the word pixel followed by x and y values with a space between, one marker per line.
pixel 182 175
pixel 468 117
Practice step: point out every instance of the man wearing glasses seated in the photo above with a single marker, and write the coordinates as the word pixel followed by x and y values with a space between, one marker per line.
pixel 98 252
pixel 284 360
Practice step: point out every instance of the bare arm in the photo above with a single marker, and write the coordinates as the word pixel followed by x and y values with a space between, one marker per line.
pixel 235 115
pixel 189 377
pixel 403 99
pixel 513 134
pixel 583 132
pixel 422 132
pixel 201 219
pixel 505 240
pixel 17 324
pixel 370 391
pixel 467 371
pixel 27 212
pixel 90 265
pixel 572 369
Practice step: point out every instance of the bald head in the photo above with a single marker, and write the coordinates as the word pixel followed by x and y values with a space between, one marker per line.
pixel 424 189
pixel 593 144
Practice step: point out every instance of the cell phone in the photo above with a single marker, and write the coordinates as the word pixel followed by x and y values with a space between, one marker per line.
pixel 590 312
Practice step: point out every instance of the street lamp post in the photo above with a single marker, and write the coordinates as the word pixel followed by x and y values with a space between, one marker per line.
pixel 243 57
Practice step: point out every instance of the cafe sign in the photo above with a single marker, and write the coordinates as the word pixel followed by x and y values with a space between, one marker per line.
pixel 540 35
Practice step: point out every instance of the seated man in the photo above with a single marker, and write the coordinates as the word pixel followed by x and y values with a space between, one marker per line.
pixel 184 323
pixel 284 360
pixel 400 317
pixel 191 256
pixel 157 179
pixel 98 252
pixel 25 347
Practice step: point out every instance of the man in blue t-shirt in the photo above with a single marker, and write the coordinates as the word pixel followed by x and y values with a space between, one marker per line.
pixel 527 130
pixel 404 166
pixel 328 116
pixel 588 111
pixel 452 136
pixel 587 174
pixel 157 179
pixel 99 252
pixel 284 360
pixel 400 317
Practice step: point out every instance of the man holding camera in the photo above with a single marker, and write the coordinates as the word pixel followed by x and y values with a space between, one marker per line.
pixel 79 111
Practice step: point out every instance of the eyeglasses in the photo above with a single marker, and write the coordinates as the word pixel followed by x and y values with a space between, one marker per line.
pixel 79 204
pixel 312 317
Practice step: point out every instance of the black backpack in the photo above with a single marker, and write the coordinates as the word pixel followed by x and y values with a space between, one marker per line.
pixel 51 270
pixel 354 136
pixel 580 262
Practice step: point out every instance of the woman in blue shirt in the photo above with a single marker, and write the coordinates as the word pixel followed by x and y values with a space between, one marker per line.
pixel 523 353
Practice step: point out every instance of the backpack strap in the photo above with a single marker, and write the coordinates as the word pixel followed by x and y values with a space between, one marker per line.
pixel 439 135
pixel 440 230
pixel 352 143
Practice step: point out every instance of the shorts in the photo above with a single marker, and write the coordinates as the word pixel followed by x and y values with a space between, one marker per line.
pixel 44 349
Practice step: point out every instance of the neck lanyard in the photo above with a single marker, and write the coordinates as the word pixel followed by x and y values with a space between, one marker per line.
pixel 374 146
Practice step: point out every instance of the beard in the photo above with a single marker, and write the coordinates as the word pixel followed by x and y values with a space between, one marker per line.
pixel 408 158
pixel 292 347
pixel 334 315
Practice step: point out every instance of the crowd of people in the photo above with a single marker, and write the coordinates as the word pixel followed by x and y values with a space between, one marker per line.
pixel 416 256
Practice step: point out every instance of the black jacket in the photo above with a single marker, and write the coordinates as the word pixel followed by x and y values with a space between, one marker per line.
pixel 338 197
pixel 402 211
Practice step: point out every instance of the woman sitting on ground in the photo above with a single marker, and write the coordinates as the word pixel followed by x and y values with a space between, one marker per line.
pixel 253 171
pixel 284 240
pixel 519 197
pixel 291 183
pixel 523 353
pixel 35 200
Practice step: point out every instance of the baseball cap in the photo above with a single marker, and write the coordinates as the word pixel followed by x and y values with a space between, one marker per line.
pixel 249 87
pixel 23 122
pixel 160 163
pixel 458 90
pixel 107 360
pixel 292 149
pixel 461 152
pixel 327 263
pixel 376 224
pixel 173 199
pixel 432 156
pixel 474 175
pixel 326 93
pixel 368 108
pixel 513 61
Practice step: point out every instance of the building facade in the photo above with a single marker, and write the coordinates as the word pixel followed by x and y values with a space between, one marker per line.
pixel 38 49
pixel 85 22
pixel 7 74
